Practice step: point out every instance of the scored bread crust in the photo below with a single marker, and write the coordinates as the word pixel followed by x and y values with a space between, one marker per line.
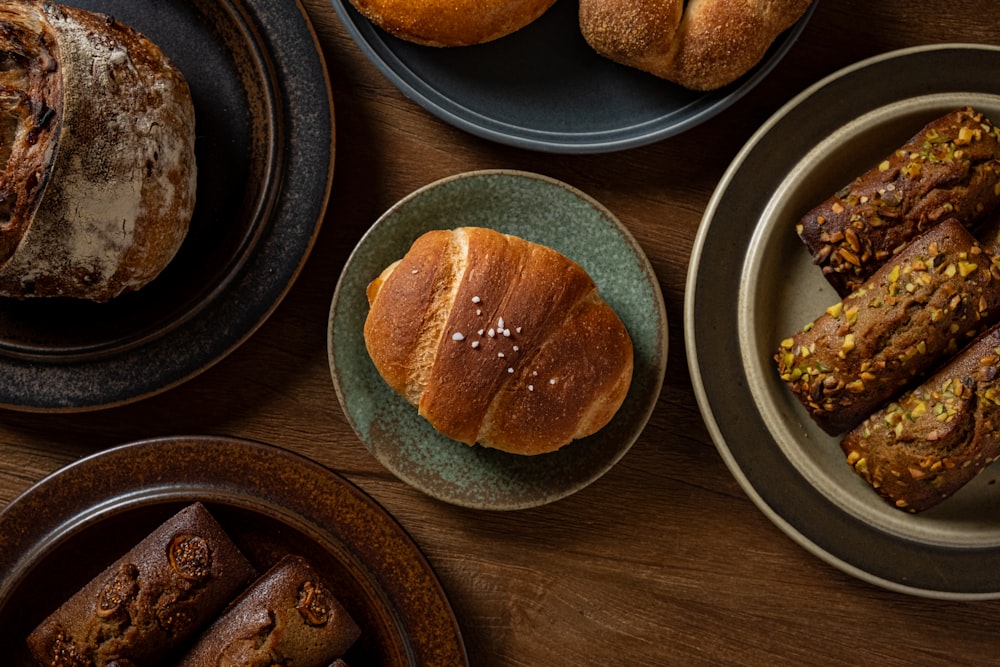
pixel 99 184
pixel 699 44
pixel 446 23
pixel 499 341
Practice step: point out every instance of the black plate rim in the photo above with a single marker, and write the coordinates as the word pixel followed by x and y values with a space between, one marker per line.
pixel 247 299
pixel 377 47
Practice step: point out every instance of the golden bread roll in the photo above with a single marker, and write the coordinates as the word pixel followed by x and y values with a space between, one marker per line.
pixel 498 340
pixel 700 44
pixel 450 23
pixel 98 176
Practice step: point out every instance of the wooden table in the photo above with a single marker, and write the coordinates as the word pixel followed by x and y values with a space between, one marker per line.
pixel 664 560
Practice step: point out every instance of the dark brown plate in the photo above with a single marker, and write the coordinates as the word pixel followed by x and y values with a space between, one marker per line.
pixel 260 87
pixel 66 529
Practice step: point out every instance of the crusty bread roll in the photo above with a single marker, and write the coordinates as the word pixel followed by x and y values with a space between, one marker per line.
pixel 498 340
pixel 450 22
pixel 98 176
pixel 703 45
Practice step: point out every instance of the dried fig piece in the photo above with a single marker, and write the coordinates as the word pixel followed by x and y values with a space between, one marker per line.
pixel 123 588
pixel 190 557
pixel 314 604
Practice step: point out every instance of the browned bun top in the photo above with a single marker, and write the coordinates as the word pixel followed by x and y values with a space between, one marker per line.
pixel 699 44
pixel 499 341
pixel 451 22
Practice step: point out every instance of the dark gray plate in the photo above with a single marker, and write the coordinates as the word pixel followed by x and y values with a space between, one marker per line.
pixel 538 209
pixel 545 89
pixel 260 87
pixel 67 528
pixel 734 319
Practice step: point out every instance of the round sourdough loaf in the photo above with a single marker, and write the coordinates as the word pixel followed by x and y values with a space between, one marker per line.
pixel 97 146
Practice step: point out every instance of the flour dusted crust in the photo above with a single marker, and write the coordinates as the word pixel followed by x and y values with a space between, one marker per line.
pixel 699 44
pixel 499 341
pixel 451 22
pixel 97 134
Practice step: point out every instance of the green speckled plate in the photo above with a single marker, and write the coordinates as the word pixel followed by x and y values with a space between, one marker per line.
pixel 538 209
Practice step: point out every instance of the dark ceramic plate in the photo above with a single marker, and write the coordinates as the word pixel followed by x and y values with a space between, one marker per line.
pixel 260 87
pixel 538 209
pixel 66 529
pixel 734 320
pixel 544 88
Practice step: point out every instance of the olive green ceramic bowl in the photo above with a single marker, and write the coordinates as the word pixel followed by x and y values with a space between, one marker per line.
pixel 538 209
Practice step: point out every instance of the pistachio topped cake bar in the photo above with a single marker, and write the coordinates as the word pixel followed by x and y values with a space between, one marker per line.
pixel 925 446
pixel 949 169
pixel 932 299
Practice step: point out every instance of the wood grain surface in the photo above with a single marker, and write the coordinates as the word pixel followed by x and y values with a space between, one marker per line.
pixel 664 560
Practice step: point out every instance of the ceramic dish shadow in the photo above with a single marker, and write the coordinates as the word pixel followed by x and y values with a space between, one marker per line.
pixel 832 133
pixel 259 85
pixel 544 88
pixel 538 209
pixel 67 528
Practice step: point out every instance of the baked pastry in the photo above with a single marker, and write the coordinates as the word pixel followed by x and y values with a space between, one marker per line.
pixel 988 233
pixel 289 616
pixel 699 44
pixel 929 301
pixel 498 340
pixel 149 601
pixel 949 169
pixel 97 164
pixel 449 23
pixel 928 444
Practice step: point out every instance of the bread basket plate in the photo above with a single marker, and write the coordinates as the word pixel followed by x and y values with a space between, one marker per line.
pixel 68 527
pixel 539 209
pixel 816 144
pixel 260 87
pixel 544 88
